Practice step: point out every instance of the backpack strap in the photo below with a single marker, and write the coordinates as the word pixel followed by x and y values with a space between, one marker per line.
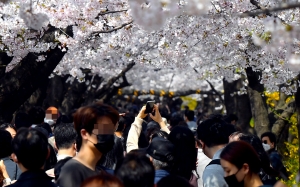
pixel 214 162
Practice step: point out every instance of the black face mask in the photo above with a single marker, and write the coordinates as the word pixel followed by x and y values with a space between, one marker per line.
pixel 105 143
pixel 232 181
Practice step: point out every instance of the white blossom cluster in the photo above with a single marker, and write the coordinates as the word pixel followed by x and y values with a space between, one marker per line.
pixel 193 39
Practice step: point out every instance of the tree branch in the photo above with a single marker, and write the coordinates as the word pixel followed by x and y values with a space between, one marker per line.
pixel 109 12
pixel 214 90
pixel 264 10
pixel 111 30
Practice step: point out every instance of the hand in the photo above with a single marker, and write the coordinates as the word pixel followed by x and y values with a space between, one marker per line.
pixel 157 117
pixel 142 113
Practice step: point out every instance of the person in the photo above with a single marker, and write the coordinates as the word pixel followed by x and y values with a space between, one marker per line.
pixel 189 116
pixel 65 142
pixel 241 165
pixel 4 178
pixel 10 128
pixel 95 126
pixel 22 120
pixel 161 154
pixel 231 118
pixel 213 134
pixel 136 127
pixel 30 151
pixel 102 180
pixel 175 121
pixel 267 174
pixel 65 137
pixel 36 116
pixel 58 166
pixel 269 141
pixel 136 170
pixel 185 153
pixel 202 161
pixel 173 180
pixel 51 116
pixel 6 150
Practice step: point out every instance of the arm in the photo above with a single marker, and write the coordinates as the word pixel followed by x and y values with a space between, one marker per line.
pixel 135 131
pixel 157 117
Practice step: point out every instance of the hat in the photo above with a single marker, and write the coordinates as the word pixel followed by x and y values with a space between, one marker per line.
pixel 161 149
pixel 153 125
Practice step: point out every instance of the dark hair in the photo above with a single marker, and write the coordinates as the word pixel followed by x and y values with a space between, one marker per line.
pixel 256 143
pixel 86 117
pixel 5 144
pixel 173 180
pixel 136 170
pixel 36 115
pixel 59 165
pixel 104 180
pixel 47 127
pixel 125 121
pixel 190 115
pixel 174 121
pixel 271 136
pixel 65 135
pixel 229 118
pixel 4 126
pixel 51 160
pixel 239 152
pixel 22 120
pixel 214 131
pixel 31 148
pixel 185 151
pixel 63 119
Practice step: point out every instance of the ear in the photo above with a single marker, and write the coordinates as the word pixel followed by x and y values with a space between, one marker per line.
pixel 75 146
pixel 272 145
pixel 245 168
pixel 84 134
pixel 14 157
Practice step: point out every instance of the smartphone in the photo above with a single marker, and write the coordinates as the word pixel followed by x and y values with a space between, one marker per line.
pixel 149 107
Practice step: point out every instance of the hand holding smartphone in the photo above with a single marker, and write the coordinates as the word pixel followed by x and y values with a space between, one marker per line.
pixel 149 107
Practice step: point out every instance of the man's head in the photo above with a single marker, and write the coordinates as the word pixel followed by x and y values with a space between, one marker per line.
pixel 10 128
pixel 65 136
pixel 136 170
pixel 95 126
pixel 213 132
pixel 189 115
pixel 175 120
pixel 51 115
pixel 231 118
pixel 269 138
pixel 5 144
pixel 161 152
pixel 36 115
pixel 30 148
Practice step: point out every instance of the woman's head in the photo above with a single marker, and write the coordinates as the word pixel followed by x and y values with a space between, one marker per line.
pixel 185 151
pixel 239 159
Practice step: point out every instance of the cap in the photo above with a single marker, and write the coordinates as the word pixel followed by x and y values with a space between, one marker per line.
pixel 161 149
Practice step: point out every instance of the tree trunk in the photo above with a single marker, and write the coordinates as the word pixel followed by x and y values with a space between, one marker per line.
pixel 18 85
pixel 257 102
pixel 237 104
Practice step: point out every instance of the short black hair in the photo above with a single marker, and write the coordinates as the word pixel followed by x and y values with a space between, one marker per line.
pixel 31 148
pixel 271 136
pixel 22 120
pixel 5 144
pixel 136 170
pixel 125 121
pixel 175 120
pixel 173 180
pixel 7 125
pixel 65 135
pixel 190 115
pixel 36 115
pixel 231 117
pixel 214 131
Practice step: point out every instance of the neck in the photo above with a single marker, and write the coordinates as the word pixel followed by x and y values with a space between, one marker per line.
pixel 252 181
pixel 210 152
pixel 89 161
pixel 119 134
pixel 70 152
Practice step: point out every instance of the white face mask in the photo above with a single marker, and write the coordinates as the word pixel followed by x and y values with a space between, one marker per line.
pixel 267 147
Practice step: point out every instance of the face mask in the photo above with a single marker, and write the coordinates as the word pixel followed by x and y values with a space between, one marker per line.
pixel 232 181
pixel 105 143
pixel 267 147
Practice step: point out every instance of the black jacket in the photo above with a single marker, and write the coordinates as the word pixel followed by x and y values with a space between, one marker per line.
pixel 33 179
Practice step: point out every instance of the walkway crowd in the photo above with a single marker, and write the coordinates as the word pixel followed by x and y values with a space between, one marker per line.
pixel 98 146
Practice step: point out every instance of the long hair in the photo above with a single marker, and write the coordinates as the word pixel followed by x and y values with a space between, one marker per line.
pixel 185 151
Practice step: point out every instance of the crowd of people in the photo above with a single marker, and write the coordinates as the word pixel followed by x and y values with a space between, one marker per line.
pixel 98 146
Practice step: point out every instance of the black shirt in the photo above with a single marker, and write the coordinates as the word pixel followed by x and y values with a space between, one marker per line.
pixel 73 173
pixel 33 179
